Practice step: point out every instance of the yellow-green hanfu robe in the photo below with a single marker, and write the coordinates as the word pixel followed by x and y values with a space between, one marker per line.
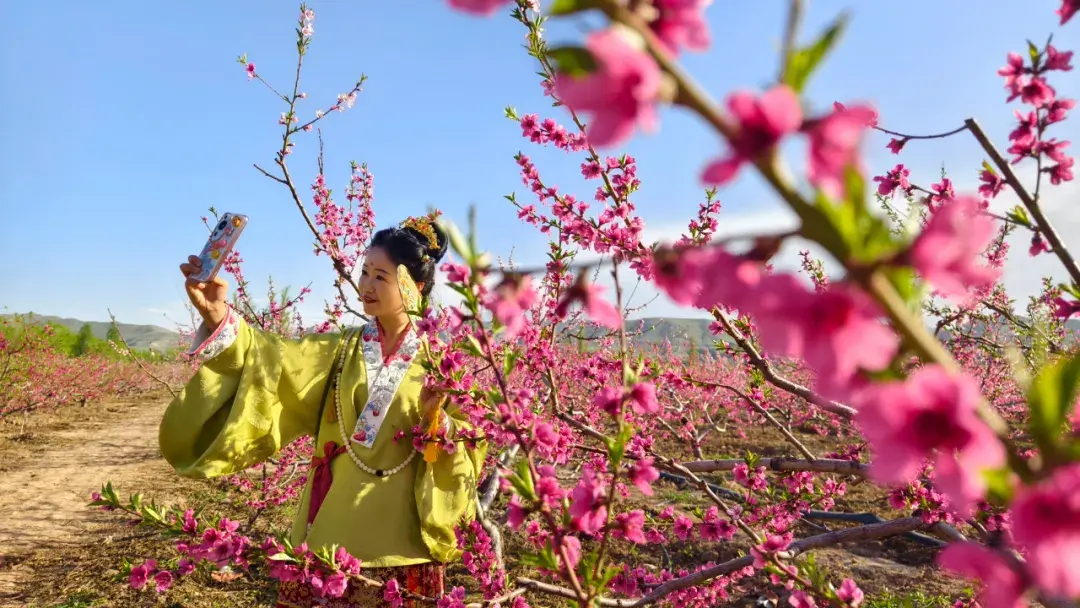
pixel 255 393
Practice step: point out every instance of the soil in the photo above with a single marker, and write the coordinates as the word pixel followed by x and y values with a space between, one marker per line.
pixel 57 551
pixel 47 488
pixel 50 466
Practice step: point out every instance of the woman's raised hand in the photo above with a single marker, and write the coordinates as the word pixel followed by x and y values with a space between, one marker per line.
pixel 209 298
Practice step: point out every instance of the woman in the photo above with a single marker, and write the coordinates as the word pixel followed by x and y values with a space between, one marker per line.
pixel 359 393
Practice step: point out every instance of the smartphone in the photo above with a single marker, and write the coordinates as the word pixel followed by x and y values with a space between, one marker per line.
pixel 220 244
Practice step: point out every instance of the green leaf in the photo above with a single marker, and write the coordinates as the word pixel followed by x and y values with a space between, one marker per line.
pixel 1019 215
pixel 281 557
pixel 494 396
pixel 855 190
pixel 610 572
pixel 155 513
pixel 998 484
pixel 847 229
pixel 819 226
pixel 457 241
pixel 510 361
pixel 751 459
pixel 1071 452
pixel 462 289
pixel 617 448
pixel 522 481
pixel 474 261
pixel 802 62
pixel 567 7
pixel 1050 398
pixel 545 559
pixel 810 569
pixel 842 230
pixel 473 347
pixel 573 60
pixel 585 567
pixel 1033 52
pixel 875 238
pixel 902 278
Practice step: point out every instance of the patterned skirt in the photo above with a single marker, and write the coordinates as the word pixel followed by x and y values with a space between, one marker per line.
pixel 422 579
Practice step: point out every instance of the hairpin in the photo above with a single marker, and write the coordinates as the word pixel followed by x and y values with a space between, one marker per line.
pixel 425 225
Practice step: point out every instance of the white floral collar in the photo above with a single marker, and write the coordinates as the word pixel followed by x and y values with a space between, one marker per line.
pixel 383 379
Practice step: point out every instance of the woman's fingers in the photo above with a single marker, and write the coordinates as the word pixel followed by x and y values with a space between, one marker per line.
pixel 193 265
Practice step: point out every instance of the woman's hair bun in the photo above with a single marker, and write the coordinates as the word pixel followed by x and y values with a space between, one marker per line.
pixel 428 234
pixel 437 252
pixel 418 243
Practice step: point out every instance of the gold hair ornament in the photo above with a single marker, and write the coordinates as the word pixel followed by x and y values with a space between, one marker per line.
pixel 410 293
pixel 425 225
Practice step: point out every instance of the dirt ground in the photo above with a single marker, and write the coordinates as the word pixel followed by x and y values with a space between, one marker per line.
pixel 56 551
pixel 49 467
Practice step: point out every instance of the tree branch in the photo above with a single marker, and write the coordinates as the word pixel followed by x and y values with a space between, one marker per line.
pixel 833 407
pixel 1030 203
pixel 861 533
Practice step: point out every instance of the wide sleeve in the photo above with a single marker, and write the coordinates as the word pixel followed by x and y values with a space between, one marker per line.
pixel 446 491
pixel 254 393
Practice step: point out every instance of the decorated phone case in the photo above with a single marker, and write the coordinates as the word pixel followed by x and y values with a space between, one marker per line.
pixel 220 243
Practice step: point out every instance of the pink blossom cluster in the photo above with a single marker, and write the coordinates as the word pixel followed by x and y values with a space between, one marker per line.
pixel 929 418
pixel 277 482
pixel 148 573
pixel 937 407
pixel 1028 83
pixel 224 546
pixel 345 231
pixel 1044 525
pixel 615 229
pixel 480 561
pixel 326 580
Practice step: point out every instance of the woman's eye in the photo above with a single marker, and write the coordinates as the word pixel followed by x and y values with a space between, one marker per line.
pixel 382 278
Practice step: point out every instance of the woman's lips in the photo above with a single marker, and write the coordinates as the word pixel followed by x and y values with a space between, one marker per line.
pixel 370 300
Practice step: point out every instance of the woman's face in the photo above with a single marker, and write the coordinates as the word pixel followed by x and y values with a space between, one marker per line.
pixel 379 284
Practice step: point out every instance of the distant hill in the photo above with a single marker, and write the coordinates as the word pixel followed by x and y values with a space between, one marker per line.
pixel 138 337
pixel 657 330
pixel 682 333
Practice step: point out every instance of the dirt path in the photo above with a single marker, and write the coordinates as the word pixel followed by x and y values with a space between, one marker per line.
pixel 44 496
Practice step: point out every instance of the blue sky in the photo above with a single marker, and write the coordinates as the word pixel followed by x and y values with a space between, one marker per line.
pixel 125 124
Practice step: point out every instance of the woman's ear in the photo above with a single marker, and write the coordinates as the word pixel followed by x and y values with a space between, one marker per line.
pixel 420 286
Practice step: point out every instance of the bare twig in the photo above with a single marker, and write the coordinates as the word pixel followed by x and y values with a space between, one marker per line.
pixel 931 136
pixel 1029 202
pixel 861 533
pixel 128 351
pixel 271 176
pixel 833 407
pixel 772 420
pixel 819 465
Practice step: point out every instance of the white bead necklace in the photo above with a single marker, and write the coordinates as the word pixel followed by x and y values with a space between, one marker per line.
pixel 341 420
